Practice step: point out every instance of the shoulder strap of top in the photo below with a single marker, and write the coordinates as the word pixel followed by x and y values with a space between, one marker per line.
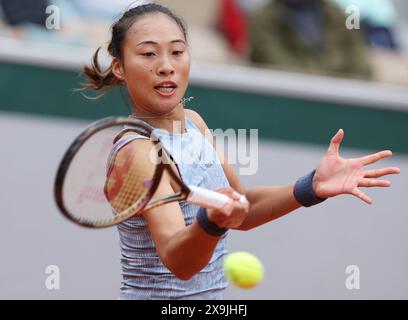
pixel 191 125
pixel 125 140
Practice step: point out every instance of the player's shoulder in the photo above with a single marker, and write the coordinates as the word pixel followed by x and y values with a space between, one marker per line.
pixel 197 119
pixel 129 142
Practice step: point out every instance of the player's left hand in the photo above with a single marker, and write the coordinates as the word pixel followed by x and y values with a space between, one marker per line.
pixel 335 175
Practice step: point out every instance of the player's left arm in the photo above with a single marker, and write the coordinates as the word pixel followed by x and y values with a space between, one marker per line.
pixel 266 203
pixel 334 176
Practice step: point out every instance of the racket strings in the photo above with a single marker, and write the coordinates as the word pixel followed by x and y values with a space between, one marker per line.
pixel 130 177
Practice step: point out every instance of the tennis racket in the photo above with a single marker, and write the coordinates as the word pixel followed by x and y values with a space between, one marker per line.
pixel 106 176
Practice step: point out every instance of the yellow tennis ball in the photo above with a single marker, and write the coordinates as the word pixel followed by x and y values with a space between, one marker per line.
pixel 243 269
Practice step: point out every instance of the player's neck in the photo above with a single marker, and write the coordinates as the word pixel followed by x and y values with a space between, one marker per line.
pixel 171 122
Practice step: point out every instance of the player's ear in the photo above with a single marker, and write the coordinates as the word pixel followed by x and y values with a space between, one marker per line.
pixel 117 69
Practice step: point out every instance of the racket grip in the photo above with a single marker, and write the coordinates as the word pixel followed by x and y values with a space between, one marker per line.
pixel 207 198
pixel 210 199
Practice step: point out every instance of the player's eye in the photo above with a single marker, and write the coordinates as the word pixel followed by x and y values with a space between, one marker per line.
pixel 178 53
pixel 148 54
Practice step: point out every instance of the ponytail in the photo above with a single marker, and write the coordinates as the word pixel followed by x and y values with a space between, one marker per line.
pixel 99 80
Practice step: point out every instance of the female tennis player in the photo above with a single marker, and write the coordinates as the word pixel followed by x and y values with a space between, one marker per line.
pixel 176 251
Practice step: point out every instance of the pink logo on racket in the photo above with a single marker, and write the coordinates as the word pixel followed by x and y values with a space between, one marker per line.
pixel 147 183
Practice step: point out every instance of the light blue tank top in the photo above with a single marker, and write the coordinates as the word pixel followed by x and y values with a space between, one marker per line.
pixel 144 275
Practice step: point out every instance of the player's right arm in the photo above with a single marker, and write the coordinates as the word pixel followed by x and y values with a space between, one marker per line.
pixel 185 250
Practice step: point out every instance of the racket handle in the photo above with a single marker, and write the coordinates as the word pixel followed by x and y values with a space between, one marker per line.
pixel 209 199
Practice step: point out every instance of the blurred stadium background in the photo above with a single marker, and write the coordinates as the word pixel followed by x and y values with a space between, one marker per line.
pixel 296 109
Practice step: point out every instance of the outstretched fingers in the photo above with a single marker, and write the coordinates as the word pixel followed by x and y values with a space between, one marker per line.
pixel 373 158
pixel 369 179
pixel 361 195
pixel 370 183
pixel 336 141
pixel 378 173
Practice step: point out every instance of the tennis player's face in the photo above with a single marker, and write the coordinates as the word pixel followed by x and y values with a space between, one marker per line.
pixel 156 64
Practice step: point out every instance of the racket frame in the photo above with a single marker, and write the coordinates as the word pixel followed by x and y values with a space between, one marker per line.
pixel 143 203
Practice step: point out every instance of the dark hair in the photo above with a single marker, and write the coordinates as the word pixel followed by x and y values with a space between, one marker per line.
pixel 105 79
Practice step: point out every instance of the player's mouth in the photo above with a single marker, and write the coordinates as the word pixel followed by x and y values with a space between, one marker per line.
pixel 166 89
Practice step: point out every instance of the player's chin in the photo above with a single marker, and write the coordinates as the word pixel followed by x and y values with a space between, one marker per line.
pixel 166 105
pixel 163 108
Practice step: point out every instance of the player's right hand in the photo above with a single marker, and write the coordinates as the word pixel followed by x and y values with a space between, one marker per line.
pixel 233 214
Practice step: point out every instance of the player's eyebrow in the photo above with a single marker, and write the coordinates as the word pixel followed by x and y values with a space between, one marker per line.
pixel 155 43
